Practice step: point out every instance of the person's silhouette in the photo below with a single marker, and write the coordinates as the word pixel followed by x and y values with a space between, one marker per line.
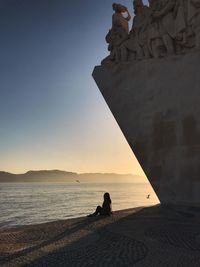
pixel 106 208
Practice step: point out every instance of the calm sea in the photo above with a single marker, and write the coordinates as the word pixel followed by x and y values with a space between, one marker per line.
pixel 30 203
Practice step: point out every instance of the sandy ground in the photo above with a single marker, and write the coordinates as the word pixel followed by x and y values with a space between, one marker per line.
pixel 153 236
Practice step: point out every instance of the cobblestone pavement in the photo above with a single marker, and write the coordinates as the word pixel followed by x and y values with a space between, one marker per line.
pixel 153 237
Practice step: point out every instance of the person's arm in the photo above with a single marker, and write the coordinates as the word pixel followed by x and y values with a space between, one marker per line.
pixel 168 7
pixel 129 16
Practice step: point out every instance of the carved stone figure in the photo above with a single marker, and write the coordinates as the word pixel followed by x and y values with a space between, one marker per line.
pixel 119 19
pixel 115 37
pixel 180 22
pixel 119 32
pixel 131 48
pixel 137 42
pixel 193 19
pixel 164 27
pixel 166 22
pixel 140 25
pixel 155 42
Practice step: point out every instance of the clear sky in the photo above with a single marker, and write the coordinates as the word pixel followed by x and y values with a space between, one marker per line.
pixel 52 115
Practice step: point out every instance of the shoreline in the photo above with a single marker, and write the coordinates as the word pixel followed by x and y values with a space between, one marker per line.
pixel 144 236
pixel 16 227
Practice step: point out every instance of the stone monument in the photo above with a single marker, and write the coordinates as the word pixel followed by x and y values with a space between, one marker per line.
pixel 151 83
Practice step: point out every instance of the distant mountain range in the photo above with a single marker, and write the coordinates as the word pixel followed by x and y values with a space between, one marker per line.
pixel 64 176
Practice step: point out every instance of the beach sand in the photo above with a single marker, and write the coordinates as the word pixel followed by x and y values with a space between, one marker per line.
pixel 143 237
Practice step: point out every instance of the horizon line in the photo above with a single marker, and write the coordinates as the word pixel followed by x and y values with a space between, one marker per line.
pixel 38 170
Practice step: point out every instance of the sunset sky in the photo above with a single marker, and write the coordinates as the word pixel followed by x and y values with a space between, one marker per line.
pixel 52 115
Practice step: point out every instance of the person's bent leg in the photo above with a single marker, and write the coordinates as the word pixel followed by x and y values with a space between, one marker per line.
pixel 98 210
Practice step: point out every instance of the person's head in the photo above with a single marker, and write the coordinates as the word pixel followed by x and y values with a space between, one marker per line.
pixel 106 197
pixel 153 3
pixel 137 5
pixel 118 8
pixel 114 6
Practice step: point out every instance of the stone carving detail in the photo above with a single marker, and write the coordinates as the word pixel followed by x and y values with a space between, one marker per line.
pixel 119 32
pixel 163 28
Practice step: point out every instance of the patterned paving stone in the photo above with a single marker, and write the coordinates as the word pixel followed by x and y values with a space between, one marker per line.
pixel 110 250
pixel 187 262
pixel 178 235
pixel 151 237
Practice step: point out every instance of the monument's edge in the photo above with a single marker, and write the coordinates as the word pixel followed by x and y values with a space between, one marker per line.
pixel 169 87
pixel 97 67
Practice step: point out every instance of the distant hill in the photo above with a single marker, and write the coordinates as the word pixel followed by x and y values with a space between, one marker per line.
pixel 38 176
pixel 64 176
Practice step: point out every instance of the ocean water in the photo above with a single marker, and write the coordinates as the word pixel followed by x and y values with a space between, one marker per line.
pixel 31 203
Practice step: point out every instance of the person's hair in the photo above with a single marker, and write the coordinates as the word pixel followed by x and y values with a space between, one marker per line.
pixel 107 197
pixel 119 8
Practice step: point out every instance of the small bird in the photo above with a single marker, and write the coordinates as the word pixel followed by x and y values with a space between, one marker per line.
pixel 78 181
pixel 148 196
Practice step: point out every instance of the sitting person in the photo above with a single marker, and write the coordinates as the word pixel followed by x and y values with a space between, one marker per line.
pixel 106 208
